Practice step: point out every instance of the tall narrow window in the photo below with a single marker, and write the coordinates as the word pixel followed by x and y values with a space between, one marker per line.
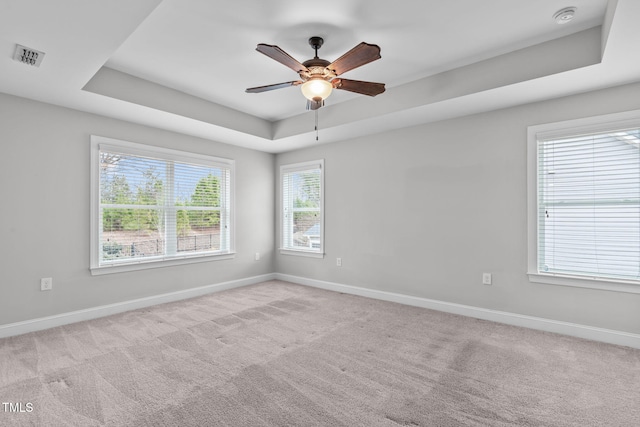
pixel 302 214
pixel 588 204
pixel 157 205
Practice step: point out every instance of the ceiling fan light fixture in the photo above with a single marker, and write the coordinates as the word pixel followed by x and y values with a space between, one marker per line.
pixel 316 88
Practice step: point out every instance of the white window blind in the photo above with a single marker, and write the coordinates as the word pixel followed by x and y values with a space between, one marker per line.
pixel 156 204
pixel 302 207
pixel 589 205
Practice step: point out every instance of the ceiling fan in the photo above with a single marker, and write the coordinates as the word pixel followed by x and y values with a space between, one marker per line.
pixel 318 77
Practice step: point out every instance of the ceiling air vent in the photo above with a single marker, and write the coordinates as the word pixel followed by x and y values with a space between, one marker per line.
pixel 28 56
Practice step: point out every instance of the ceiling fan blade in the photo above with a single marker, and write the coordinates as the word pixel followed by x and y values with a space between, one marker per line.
pixel 274 52
pixel 357 86
pixel 356 57
pixel 266 88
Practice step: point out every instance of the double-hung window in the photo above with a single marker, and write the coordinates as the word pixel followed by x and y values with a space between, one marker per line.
pixel 302 208
pixel 584 210
pixel 154 206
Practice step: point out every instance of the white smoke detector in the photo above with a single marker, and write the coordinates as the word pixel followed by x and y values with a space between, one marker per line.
pixel 565 15
pixel 29 56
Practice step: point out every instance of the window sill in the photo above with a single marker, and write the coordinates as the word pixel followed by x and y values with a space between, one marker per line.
pixel 308 254
pixel 586 282
pixel 148 264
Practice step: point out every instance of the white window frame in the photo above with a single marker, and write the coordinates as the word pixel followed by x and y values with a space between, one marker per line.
pixel 284 249
pixel 100 142
pixel 604 123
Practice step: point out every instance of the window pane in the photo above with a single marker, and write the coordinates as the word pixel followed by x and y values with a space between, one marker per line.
pixel 131 180
pixel 126 234
pixel 306 229
pixel 197 185
pixel 589 205
pixel 196 232
pixel 201 198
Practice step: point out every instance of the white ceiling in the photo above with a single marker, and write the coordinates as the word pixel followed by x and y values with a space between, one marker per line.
pixel 183 65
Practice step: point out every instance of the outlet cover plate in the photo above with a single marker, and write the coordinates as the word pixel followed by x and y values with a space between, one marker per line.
pixel 46 284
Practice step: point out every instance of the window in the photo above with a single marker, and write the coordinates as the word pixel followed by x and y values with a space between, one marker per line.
pixel 154 206
pixel 584 211
pixel 302 213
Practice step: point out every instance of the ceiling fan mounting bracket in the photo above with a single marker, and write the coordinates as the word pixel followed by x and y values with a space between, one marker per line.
pixel 316 42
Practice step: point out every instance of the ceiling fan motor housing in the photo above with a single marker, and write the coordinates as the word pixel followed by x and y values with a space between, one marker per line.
pixel 317 67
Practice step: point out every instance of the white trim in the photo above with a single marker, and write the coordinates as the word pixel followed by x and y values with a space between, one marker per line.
pixel 576 330
pixel 152 151
pixel 39 324
pixel 95 248
pixel 532 199
pixel 144 264
pixel 301 252
pixel 531 322
pixel 586 125
pixel 585 282
pixel 303 166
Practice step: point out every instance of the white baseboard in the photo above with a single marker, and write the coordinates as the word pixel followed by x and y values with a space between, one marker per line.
pixel 565 328
pixel 39 324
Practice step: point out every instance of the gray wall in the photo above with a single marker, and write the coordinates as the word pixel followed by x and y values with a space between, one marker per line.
pixel 44 212
pixel 424 211
pixel 421 211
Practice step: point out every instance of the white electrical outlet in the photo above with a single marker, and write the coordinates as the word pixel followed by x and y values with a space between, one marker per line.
pixel 257 256
pixel 339 262
pixel 486 278
pixel 46 284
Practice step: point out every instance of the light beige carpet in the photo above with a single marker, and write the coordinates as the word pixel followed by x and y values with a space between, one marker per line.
pixel 278 354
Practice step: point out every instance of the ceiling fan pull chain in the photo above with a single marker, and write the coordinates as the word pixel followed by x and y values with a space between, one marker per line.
pixel 316 125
